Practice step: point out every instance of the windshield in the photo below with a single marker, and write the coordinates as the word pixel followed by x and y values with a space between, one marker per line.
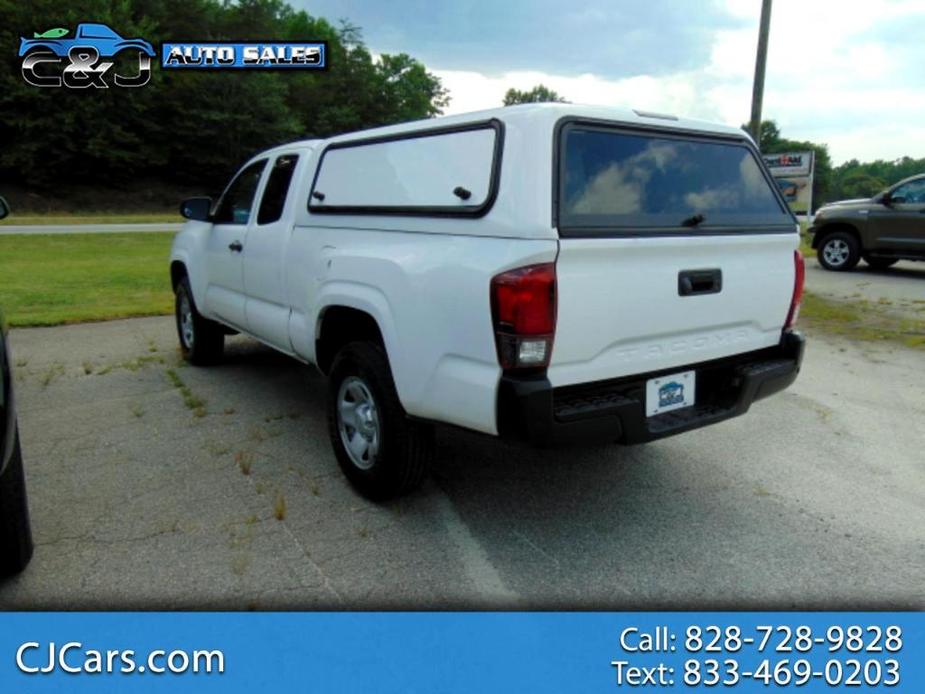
pixel 617 179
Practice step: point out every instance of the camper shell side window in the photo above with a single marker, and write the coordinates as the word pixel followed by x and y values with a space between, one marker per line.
pixel 439 172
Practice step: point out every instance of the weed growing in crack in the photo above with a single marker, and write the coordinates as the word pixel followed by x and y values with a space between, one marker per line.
pixel 51 373
pixel 190 399
pixel 245 460
pixel 279 507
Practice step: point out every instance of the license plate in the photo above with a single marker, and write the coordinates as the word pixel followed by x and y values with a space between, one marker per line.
pixel 672 392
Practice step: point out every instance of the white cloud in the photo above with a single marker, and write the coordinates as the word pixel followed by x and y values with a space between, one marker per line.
pixel 673 93
pixel 829 79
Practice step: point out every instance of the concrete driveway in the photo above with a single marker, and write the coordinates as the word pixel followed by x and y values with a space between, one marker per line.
pixel 216 488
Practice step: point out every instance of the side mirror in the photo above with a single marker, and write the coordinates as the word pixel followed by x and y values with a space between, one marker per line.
pixel 4 208
pixel 886 198
pixel 198 209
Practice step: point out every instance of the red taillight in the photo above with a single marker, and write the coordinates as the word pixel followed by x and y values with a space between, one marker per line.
pixel 799 278
pixel 523 310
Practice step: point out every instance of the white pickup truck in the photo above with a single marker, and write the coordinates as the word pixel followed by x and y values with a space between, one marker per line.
pixel 553 273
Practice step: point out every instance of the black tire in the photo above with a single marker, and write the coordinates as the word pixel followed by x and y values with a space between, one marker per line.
pixel 881 263
pixel 15 529
pixel 205 342
pixel 839 251
pixel 404 448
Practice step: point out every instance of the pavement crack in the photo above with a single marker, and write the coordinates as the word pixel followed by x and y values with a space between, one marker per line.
pixel 325 580
pixel 109 541
pixel 523 538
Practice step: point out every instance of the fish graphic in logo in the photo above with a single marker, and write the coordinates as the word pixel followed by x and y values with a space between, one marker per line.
pixel 56 33
pixel 671 393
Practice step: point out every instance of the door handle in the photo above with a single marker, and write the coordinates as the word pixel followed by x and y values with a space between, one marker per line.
pixel 236 246
pixel 693 282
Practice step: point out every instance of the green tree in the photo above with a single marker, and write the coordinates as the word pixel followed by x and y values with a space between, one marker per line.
pixel 186 125
pixel 768 134
pixel 540 93
pixel 859 185
pixel 407 90
pixel 856 179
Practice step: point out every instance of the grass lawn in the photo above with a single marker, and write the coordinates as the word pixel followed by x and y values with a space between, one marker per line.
pixel 805 240
pixel 52 279
pixel 91 218
pixel 71 278
pixel 860 320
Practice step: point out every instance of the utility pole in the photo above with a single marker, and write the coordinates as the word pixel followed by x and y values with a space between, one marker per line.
pixel 760 61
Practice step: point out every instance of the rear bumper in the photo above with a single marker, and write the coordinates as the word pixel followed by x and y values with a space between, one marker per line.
pixel 530 409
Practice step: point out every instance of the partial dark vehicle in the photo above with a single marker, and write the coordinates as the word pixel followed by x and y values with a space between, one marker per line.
pixel 15 531
pixel 880 230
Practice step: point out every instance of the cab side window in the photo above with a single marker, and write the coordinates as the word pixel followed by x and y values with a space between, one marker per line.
pixel 274 195
pixel 912 193
pixel 235 205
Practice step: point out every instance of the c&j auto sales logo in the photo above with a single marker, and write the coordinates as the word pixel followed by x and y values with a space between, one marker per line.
pixel 56 58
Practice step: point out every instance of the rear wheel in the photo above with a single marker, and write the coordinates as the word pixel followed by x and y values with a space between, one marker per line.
pixel 381 451
pixel 881 263
pixel 839 251
pixel 15 530
pixel 201 340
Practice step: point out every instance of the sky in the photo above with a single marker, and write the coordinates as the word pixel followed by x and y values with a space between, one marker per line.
pixel 849 73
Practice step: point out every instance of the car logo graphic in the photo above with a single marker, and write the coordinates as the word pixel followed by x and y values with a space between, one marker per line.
pixel 82 61
pixel 670 394
pixel 98 36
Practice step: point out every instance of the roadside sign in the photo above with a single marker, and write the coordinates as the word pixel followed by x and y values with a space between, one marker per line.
pixel 793 172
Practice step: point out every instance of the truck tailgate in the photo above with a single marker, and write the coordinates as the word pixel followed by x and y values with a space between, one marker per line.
pixel 624 308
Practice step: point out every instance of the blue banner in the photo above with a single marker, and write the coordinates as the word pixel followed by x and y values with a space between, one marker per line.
pixel 267 55
pixel 461 652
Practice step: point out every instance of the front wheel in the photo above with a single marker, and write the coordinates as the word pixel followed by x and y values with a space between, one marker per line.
pixel 839 251
pixel 15 529
pixel 201 340
pixel 381 451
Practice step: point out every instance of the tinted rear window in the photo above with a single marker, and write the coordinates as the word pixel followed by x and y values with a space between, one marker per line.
pixel 612 179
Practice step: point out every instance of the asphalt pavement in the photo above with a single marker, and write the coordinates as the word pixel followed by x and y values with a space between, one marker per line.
pixel 226 495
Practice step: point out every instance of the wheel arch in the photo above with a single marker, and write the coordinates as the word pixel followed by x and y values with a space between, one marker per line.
pixel 828 229
pixel 178 271
pixel 40 46
pixel 184 265
pixel 339 324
